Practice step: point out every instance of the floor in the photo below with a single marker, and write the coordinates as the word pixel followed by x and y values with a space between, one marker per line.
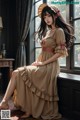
pixel 17 114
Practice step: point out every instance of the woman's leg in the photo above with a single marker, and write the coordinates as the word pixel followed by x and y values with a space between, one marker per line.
pixel 9 91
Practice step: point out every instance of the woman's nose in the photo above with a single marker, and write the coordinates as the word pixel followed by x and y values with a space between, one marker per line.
pixel 46 19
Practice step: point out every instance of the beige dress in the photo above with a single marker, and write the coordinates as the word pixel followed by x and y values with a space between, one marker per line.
pixel 36 88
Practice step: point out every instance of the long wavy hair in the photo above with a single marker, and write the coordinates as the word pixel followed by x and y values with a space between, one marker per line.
pixel 59 22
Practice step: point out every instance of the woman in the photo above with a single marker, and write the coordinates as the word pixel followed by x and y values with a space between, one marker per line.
pixel 36 84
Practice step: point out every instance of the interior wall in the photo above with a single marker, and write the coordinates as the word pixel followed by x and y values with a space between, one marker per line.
pixel 9 32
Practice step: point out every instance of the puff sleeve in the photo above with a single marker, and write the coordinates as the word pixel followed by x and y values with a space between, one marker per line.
pixel 60 43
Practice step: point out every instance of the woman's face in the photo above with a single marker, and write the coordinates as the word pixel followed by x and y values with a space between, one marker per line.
pixel 48 19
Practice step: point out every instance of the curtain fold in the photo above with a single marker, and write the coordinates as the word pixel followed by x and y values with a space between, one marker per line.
pixel 23 16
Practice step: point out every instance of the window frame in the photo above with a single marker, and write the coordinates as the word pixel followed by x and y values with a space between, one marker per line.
pixel 70 59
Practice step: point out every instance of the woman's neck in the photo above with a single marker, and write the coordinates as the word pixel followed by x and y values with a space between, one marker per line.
pixel 53 27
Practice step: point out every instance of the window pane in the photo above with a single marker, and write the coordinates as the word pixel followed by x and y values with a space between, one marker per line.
pixel 62 61
pixel 37 52
pixel 77 56
pixel 60 6
pixel 77 31
pixel 37 5
pixel 62 9
pixel 37 44
pixel 76 8
pixel 37 21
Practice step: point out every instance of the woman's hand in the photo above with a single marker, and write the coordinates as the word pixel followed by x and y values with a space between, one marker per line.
pixel 37 63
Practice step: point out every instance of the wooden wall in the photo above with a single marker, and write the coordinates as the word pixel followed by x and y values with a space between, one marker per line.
pixel 69 95
pixel 9 32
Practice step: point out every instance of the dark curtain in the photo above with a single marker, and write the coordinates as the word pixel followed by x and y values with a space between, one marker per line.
pixel 23 15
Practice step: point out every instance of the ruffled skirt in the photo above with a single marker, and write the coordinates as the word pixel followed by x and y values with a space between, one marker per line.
pixel 36 91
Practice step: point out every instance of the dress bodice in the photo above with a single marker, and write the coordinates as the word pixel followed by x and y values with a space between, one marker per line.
pixel 53 42
pixel 49 39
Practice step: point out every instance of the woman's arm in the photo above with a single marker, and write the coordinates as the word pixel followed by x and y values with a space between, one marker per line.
pixel 52 59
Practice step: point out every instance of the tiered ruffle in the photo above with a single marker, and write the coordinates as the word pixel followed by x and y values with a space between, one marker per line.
pixel 62 50
pixel 26 78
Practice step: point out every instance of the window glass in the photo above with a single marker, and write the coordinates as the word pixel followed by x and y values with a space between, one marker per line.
pixel 77 56
pixel 37 51
pixel 61 4
pixel 62 61
pixel 37 21
pixel 76 8
pixel 77 31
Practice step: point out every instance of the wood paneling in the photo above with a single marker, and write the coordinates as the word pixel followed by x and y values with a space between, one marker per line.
pixel 69 95
pixel 9 31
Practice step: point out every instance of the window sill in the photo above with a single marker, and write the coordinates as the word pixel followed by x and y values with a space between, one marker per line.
pixel 73 71
pixel 69 76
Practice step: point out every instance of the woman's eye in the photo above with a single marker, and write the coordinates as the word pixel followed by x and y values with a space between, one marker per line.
pixel 44 17
pixel 49 15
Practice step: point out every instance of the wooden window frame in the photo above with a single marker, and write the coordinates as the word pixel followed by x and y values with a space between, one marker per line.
pixel 70 59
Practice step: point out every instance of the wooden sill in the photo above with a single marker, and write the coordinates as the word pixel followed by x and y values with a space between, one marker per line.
pixel 69 76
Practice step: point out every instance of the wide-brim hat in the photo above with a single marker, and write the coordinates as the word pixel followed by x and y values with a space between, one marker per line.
pixel 40 8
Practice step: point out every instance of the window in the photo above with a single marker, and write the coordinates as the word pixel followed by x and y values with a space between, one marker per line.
pixel 76 21
pixel 37 22
pixel 58 4
pixel 71 13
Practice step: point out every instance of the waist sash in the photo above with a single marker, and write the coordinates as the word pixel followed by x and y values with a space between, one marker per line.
pixel 47 49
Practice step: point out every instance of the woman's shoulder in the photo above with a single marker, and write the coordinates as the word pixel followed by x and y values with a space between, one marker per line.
pixel 59 30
